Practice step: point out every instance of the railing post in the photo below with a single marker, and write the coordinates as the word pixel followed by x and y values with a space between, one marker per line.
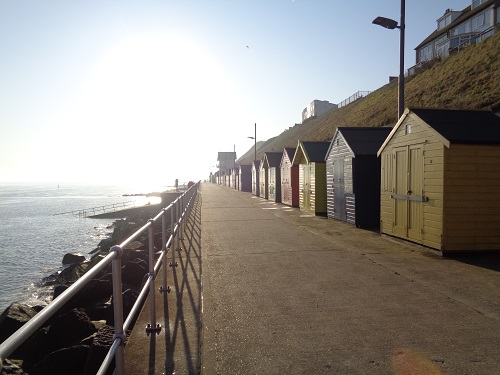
pixel 164 287
pixel 173 221
pixel 183 217
pixel 153 326
pixel 118 308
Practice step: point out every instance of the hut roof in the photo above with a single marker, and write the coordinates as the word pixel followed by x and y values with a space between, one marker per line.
pixel 363 140
pixel 273 158
pixel 462 126
pixel 312 151
pixel 290 151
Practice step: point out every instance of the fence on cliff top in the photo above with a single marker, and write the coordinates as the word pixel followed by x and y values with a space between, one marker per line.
pixel 179 211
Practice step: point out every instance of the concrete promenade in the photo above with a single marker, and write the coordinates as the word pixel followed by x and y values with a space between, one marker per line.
pixel 262 288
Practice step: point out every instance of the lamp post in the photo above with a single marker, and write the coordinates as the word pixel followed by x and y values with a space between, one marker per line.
pixel 391 24
pixel 255 142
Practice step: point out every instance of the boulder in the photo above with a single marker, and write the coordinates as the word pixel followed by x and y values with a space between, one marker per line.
pixel 95 291
pixel 13 318
pixel 71 258
pixel 128 299
pixel 133 272
pixel 12 367
pixel 70 328
pixel 70 274
pixel 63 361
pixel 99 348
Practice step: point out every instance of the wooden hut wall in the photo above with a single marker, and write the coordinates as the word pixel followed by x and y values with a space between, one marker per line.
pixel 366 189
pixel 255 179
pixel 339 178
pixel 317 177
pixel 245 179
pixel 413 161
pixel 304 188
pixel 274 174
pixel 263 178
pixel 289 181
pixel 472 199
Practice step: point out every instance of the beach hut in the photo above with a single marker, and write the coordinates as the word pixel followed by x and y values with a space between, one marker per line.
pixel 245 178
pixel 255 177
pixel 289 178
pixel 310 157
pixel 353 175
pixel 440 179
pixel 272 161
pixel 263 179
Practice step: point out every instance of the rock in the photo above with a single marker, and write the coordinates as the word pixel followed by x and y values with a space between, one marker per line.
pixel 71 258
pixel 95 291
pixel 128 299
pixel 12 367
pixel 63 361
pixel 133 272
pixel 71 273
pixel 13 318
pixel 134 245
pixel 133 255
pixel 81 327
pixel 101 343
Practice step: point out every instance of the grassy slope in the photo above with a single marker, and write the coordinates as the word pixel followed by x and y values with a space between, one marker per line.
pixel 467 80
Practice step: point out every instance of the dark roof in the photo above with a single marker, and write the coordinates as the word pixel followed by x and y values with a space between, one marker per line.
pixel 316 151
pixel 290 152
pixel 467 12
pixel 274 158
pixel 364 140
pixel 462 126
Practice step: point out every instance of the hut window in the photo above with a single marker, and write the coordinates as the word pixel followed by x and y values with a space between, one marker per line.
pixel 338 142
pixel 408 129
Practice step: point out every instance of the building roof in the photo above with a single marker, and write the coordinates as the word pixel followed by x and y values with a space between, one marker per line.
pixel 462 126
pixel 313 151
pixel 290 151
pixel 273 158
pixel 455 125
pixel 362 140
pixel 466 13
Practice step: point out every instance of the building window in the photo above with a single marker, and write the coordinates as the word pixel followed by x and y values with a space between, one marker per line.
pixel 476 3
pixel 426 53
pixel 443 22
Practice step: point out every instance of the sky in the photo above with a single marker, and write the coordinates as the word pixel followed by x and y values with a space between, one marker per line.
pixel 109 91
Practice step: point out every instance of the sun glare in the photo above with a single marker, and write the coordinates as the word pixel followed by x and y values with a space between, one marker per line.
pixel 149 97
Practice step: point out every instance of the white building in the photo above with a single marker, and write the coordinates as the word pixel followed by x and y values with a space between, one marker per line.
pixel 317 108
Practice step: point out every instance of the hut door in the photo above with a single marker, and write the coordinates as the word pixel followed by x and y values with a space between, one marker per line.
pixel 400 184
pixel 408 208
pixel 415 188
pixel 339 211
pixel 306 186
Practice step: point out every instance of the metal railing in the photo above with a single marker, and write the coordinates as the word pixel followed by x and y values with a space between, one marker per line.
pixel 100 209
pixel 353 98
pixel 441 54
pixel 179 211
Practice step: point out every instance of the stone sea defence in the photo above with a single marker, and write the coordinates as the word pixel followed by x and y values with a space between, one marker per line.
pixel 77 338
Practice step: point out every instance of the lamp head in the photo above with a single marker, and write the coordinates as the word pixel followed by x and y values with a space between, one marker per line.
pixel 386 22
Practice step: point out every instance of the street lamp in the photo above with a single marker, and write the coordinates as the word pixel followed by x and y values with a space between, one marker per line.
pixel 391 24
pixel 255 142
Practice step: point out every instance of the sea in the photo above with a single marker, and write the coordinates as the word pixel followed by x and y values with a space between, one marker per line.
pixel 37 229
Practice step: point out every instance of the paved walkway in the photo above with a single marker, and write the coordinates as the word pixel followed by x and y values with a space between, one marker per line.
pixel 287 293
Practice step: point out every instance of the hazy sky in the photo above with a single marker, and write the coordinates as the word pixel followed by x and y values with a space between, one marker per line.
pixel 108 91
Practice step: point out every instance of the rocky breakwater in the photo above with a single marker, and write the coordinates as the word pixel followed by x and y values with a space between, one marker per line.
pixel 77 338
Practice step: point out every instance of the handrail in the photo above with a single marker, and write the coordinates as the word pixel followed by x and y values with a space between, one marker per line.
pixel 353 98
pixel 100 209
pixel 179 211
